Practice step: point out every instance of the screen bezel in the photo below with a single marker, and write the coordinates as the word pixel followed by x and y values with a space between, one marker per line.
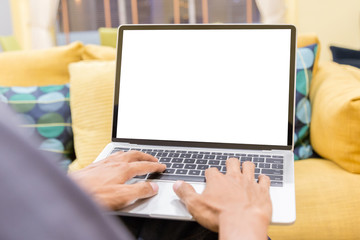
pixel 291 107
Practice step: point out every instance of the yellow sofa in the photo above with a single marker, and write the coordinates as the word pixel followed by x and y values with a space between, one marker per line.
pixel 327 191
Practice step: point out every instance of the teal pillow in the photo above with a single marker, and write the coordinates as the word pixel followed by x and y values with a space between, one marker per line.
pixel 45 112
pixel 305 59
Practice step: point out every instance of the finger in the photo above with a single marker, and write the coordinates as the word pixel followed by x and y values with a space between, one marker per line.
pixel 264 181
pixel 212 174
pixel 141 168
pixel 233 166
pixel 185 192
pixel 144 190
pixel 248 169
pixel 133 156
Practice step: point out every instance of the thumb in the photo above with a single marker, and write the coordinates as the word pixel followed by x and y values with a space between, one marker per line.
pixel 184 191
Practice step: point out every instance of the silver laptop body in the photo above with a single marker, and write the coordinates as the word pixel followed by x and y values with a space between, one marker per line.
pixel 195 95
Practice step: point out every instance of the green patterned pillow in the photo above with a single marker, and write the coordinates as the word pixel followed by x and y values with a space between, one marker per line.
pixel 304 67
pixel 46 115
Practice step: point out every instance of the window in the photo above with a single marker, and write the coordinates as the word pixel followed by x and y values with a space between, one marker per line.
pixel 79 20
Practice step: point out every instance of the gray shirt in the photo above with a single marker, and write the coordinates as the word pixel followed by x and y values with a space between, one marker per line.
pixel 38 201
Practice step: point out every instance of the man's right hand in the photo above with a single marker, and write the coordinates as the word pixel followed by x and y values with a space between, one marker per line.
pixel 232 204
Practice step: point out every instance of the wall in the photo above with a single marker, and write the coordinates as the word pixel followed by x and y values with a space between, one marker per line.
pixel 5 18
pixel 335 22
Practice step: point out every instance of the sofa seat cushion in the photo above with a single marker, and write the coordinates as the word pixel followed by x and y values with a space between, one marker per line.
pixel 327 203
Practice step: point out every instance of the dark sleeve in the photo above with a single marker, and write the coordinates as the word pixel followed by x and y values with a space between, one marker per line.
pixel 38 201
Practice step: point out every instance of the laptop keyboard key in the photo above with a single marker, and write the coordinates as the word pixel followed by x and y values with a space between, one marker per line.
pixel 177 160
pixel 264 165
pixel 173 154
pixel 178 165
pixel 189 160
pixel 202 167
pixel 219 157
pixel 201 161
pixel 167 164
pixel 277 166
pixel 169 170
pixel 275 160
pixel 259 159
pixel 181 171
pixel 272 171
pixel 214 162
pixel 218 167
pixel 164 160
pixel 190 166
pixel 209 157
pixel 185 155
pixel 276 178
pixel 243 159
pixel 276 184
pixel 204 152
pixel 194 172
pixel 172 177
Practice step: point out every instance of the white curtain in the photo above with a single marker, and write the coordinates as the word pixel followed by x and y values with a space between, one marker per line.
pixel 42 19
pixel 272 11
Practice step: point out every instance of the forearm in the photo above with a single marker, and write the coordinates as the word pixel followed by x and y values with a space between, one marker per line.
pixel 236 225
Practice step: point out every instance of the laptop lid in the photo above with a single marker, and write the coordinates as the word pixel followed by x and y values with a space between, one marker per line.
pixel 214 86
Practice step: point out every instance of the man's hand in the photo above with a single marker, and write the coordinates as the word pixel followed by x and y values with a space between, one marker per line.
pixel 105 179
pixel 233 204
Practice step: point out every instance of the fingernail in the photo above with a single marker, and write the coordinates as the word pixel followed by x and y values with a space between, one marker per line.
pixel 177 184
pixel 154 186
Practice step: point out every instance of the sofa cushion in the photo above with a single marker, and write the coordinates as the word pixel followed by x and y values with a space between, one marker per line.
pixel 335 127
pixel 45 113
pixel 38 67
pixel 306 57
pixel 96 52
pixel 346 56
pixel 327 203
pixel 32 77
pixel 92 90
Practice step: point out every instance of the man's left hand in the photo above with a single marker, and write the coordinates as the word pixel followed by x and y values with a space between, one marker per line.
pixel 105 180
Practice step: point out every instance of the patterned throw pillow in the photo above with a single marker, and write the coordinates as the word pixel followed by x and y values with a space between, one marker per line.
pixel 304 67
pixel 45 112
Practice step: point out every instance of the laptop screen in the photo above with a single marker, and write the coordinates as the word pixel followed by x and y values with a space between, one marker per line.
pixel 227 86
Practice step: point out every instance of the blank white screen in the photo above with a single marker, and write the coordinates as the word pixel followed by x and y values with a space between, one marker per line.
pixel 223 86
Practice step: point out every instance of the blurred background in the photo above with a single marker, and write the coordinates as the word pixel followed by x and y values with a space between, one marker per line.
pixel 38 24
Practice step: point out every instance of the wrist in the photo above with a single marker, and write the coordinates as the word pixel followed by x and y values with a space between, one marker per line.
pixel 243 223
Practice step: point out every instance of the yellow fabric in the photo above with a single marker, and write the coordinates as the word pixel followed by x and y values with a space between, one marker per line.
pixel 92 90
pixel 38 67
pixel 327 203
pixel 108 36
pixel 95 52
pixel 335 123
pixel 309 39
pixel 9 43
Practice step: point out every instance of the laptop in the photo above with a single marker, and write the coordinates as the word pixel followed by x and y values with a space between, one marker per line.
pixel 196 95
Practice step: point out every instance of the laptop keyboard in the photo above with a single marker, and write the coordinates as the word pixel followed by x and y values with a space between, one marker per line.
pixel 191 165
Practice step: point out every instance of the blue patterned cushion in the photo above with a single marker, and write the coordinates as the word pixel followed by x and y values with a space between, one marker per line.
pixel 304 68
pixel 46 115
